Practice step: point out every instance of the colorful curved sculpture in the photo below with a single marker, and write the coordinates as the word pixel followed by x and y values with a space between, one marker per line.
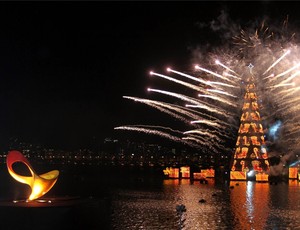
pixel 39 184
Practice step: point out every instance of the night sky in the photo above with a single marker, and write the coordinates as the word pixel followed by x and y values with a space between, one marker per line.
pixel 65 66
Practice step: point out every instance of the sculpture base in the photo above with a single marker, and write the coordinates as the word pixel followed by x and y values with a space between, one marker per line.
pixel 59 213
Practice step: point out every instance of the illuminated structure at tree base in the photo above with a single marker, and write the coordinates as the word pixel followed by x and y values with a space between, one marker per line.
pixel 39 184
pixel 250 156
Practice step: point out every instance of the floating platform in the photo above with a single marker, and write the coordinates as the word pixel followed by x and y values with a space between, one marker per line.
pixel 54 213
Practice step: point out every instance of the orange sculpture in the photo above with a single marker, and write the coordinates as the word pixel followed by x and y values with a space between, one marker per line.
pixel 39 184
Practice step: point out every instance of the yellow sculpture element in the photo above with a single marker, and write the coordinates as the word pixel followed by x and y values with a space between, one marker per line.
pixel 39 184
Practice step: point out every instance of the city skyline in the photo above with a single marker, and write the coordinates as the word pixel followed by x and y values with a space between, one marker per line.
pixel 66 66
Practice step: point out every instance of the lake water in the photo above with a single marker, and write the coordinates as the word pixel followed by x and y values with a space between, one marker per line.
pixel 231 205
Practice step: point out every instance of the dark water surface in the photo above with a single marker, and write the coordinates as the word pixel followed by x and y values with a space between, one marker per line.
pixel 139 199
pixel 246 205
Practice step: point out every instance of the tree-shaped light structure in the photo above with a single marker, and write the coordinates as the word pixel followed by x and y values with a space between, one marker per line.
pixel 212 103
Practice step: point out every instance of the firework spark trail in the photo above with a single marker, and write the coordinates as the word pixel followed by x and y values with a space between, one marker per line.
pixel 288 92
pixel 197 103
pixel 285 72
pixel 182 110
pixel 289 102
pixel 285 95
pixel 213 125
pixel 177 95
pixel 230 75
pixel 221 92
pixel 176 108
pixel 158 127
pixel 197 140
pixel 212 118
pixel 277 61
pixel 205 143
pixel 222 84
pixel 201 138
pixel 291 77
pixel 292 131
pixel 280 85
pixel 218 99
pixel 156 132
pixel 204 133
pixel 159 105
pixel 191 86
pixel 202 106
pixel 224 66
pixel 291 122
pixel 270 76
pixel 199 114
pixel 215 74
pixel 207 122
pixel 285 110
pixel 211 140
pixel 290 111
pixel 218 132
pixel 190 77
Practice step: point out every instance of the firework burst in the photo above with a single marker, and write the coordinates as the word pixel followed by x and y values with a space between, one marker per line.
pixel 215 93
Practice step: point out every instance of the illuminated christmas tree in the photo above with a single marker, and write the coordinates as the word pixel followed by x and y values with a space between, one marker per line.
pixel 250 154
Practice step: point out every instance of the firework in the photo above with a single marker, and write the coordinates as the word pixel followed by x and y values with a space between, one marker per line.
pixel 156 132
pixel 224 66
pixel 277 61
pixel 194 87
pixel 214 74
pixel 212 107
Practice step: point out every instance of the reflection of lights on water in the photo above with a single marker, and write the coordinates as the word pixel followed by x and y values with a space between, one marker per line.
pixel 44 201
pixel 250 207
pixel 27 201
pixel 41 201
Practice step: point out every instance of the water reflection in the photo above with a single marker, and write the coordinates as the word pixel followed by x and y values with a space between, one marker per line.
pixel 249 203
pixel 242 205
